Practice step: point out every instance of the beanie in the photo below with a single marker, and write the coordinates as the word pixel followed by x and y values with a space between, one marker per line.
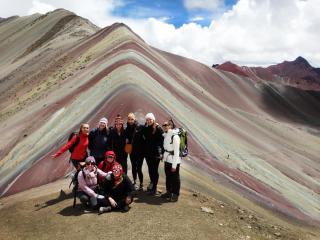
pixel 150 116
pixel 103 120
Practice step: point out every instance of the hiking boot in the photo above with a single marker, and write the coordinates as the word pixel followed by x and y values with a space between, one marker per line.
pixel 166 195
pixel 152 192
pixel 135 186
pixel 150 186
pixel 174 197
pixel 126 208
pixel 140 187
pixel 104 209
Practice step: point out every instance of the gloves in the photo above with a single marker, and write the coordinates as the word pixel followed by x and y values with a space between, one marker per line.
pixel 100 197
pixel 109 175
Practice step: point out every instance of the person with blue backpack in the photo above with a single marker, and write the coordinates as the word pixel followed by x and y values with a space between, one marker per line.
pixel 172 160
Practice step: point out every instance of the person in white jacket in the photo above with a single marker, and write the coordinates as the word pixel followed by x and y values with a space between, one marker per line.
pixel 172 161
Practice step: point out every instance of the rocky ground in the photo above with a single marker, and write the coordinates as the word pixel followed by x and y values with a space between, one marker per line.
pixel 47 213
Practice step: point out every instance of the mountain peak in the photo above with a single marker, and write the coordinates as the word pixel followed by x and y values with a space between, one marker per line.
pixel 301 61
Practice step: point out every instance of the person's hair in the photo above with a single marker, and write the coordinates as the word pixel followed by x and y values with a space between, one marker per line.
pixel 131 114
pixel 172 123
pixel 81 126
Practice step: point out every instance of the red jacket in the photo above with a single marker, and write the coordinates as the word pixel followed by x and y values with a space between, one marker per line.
pixel 80 151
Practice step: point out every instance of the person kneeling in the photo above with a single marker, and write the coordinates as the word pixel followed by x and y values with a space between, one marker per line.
pixel 87 179
pixel 117 189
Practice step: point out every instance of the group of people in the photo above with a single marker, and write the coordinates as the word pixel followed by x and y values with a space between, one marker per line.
pixel 102 180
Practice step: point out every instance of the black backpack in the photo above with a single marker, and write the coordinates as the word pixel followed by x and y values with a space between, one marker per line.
pixel 75 143
pixel 75 183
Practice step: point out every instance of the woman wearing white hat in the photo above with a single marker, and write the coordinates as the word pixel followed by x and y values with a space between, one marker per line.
pixel 152 135
pixel 98 140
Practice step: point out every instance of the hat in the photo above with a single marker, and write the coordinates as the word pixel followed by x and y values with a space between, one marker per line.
pixel 150 116
pixel 110 153
pixel 103 120
pixel 118 119
pixel 117 171
pixel 90 159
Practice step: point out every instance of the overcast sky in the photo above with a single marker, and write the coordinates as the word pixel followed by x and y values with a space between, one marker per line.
pixel 246 32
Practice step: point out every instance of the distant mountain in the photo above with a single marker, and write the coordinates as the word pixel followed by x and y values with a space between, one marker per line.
pixel 298 73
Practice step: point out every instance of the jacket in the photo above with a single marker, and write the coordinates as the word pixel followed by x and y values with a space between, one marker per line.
pixel 121 191
pixel 171 145
pixel 89 183
pixel 134 135
pixel 153 139
pixel 80 151
pixel 116 143
pixel 98 142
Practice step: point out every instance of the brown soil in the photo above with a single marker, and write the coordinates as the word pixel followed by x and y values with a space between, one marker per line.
pixel 31 215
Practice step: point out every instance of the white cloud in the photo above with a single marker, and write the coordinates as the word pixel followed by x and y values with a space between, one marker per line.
pixel 40 7
pixel 210 5
pixel 196 19
pixel 254 32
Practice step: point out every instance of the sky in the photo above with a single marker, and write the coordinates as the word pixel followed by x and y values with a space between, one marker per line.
pixel 246 32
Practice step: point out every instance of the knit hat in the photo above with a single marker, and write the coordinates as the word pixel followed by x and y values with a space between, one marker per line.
pixel 110 153
pixel 118 119
pixel 117 171
pixel 90 159
pixel 150 116
pixel 103 120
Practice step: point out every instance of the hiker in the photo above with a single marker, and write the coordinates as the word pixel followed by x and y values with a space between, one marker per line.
pixel 87 179
pixel 98 139
pixel 117 142
pixel 134 138
pixel 152 135
pixel 117 189
pixel 79 144
pixel 107 164
pixel 172 160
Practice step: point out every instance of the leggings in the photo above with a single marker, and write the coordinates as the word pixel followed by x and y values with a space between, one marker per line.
pixel 136 163
pixel 153 165
pixel 172 178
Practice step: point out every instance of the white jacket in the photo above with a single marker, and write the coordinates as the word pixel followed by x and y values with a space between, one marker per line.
pixel 174 147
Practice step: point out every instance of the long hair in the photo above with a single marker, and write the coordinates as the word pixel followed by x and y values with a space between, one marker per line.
pixel 81 126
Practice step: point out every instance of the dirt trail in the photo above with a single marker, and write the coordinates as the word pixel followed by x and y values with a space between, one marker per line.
pixel 46 213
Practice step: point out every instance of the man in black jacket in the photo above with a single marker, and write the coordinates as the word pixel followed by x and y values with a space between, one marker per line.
pixel 98 140
pixel 152 135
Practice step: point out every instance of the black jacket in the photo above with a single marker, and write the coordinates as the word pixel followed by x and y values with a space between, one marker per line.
pixel 153 139
pixel 134 135
pixel 120 192
pixel 116 143
pixel 98 142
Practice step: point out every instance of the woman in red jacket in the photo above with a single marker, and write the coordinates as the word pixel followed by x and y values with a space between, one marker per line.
pixel 79 142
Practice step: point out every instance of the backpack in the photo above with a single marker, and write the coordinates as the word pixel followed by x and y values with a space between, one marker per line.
pixel 75 182
pixel 183 149
pixel 76 142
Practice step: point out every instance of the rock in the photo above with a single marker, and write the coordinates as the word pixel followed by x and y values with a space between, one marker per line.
pixel 220 224
pixel 195 194
pixel 207 210
pixel 277 234
pixel 249 227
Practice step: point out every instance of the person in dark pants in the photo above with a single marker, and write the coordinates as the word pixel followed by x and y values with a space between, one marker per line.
pixel 134 137
pixel 172 161
pixel 117 190
pixel 117 142
pixel 98 140
pixel 152 136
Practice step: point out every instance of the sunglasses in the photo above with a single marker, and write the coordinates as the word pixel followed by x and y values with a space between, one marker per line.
pixel 109 156
pixel 90 163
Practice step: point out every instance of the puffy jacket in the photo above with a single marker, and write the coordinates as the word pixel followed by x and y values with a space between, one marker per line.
pixel 171 145
pixel 80 150
pixel 89 183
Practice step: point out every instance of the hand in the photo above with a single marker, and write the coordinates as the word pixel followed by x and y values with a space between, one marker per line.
pixel 54 155
pixel 100 196
pixel 173 169
pixel 128 200
pixel 112 202
pixel 109 175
